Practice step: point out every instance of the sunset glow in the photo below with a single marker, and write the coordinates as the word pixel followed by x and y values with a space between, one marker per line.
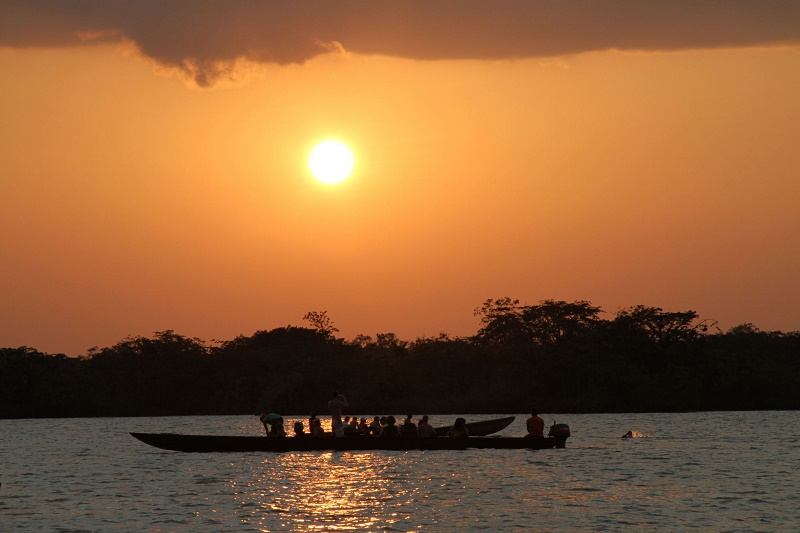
pixel 153 183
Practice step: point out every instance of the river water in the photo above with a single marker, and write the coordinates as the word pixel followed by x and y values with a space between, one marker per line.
pixel 722 471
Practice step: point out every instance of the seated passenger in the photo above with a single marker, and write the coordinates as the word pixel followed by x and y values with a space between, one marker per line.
pixel 425 429
pixel 535 425
pixel 277 430
pixel 375 426
pixel 317 430
pixel 390 430
pixel 351 427
pixel 459 429
pixel 408 429
pixel 363 427
pixel 298 430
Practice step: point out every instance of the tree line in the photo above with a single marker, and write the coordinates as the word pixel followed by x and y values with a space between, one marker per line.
pixel 562 357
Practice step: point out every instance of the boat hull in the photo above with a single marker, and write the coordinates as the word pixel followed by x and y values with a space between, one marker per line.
pixel 482 428
pixel 219 443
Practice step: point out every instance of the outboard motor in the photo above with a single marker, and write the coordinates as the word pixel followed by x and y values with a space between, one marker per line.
pixel 560 432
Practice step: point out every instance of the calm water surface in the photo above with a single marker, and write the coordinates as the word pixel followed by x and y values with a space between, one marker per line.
pixel 729 471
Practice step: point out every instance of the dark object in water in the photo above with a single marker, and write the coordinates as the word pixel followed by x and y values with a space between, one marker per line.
pixel 221 443
pixel 634 435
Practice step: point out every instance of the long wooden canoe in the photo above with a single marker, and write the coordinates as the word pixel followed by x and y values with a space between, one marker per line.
pixel 482 428
pixel 219 443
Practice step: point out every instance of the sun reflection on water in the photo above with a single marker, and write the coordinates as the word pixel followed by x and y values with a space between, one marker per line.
pixel 329 491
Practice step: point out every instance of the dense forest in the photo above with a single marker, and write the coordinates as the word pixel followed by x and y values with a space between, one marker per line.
pixel 560 356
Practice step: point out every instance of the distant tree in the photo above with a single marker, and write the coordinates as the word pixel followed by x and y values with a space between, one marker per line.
pixel 321 322
pixel 707 324
pixel 500 308
pixel 660 326
pixel 423 341
pixel 162 343
pixel 743 329
pixel 362 341
pixel 502 322
pixel 387 341
pixel 552 321
pixel 147 376
pixel 263 342
pixel 506 321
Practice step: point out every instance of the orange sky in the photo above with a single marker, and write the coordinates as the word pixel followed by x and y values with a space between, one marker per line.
pixel 132 201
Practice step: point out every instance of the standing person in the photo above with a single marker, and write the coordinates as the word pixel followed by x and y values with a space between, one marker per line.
pixel 337 427
pixel 311 421
pixel 535 424
pixel 424 429
pixel 336 403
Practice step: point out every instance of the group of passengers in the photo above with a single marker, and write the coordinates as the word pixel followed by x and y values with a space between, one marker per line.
pixel 380 426
pixel 383 426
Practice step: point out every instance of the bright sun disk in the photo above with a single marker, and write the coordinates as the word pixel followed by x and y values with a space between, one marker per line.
pixel 331 162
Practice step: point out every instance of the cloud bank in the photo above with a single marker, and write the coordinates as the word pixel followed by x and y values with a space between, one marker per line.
pixel 205 38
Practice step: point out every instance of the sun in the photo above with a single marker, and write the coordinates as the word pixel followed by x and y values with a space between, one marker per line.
pixel 331 162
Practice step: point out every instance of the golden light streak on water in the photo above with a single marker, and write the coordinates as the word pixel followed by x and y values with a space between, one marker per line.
pixel 331 491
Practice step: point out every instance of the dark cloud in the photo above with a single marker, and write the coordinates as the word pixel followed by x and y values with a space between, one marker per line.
pixel 204 38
